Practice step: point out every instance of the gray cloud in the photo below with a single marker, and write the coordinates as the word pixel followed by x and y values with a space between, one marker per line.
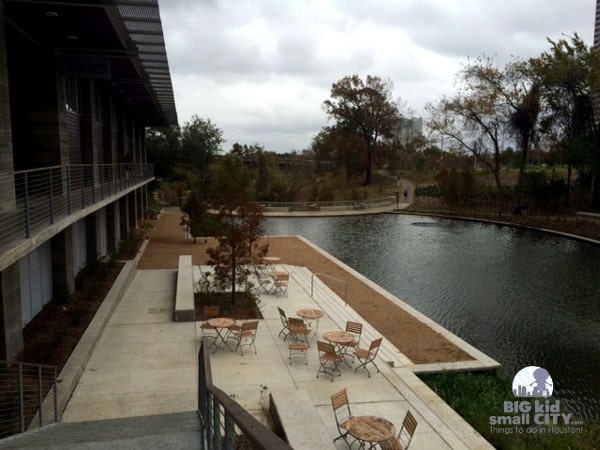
pixel 260 70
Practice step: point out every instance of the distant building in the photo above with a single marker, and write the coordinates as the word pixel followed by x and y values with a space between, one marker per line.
pixel 79 83
pixel 407 129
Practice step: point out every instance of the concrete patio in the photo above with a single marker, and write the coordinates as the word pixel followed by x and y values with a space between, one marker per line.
pixel 144 363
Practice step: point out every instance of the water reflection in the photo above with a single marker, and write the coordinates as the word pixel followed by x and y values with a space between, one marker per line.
pixel 524 298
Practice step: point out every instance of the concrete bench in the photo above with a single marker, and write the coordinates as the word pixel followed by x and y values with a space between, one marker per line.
pixel 300 420
pixel 184 293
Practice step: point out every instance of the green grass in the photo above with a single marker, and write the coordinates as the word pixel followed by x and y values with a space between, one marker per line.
pixel 477 396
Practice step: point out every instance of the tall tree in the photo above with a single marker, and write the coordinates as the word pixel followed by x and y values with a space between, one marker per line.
pixel 570 74
pixel 241 223
pixel 200 142
pixel 365 108
pixel 492 104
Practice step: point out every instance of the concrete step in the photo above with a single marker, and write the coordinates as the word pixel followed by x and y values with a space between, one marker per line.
pixel 336 308
pixel 172 431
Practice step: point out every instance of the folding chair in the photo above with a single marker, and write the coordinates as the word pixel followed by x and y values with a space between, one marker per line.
pixel 327 355
pixel 298 349
pixel 342 413
pixel 245 335
pixel 281 283
pixel 368 356
pixel 405 435
pixel 355 329
pixel 209 312
pixel 264 281
pixel 298 329
pixel 284 322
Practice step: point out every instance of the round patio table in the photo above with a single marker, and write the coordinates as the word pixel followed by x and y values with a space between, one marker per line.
pixel 371 429
pixel 220 324
pixel 311 315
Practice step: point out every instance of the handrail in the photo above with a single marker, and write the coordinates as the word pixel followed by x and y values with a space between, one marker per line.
pixel 220 416
pixel 332 278
pixel 23 387
pixel 35 199
pixel 329 205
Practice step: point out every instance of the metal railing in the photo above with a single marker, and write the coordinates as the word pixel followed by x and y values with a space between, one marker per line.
pixel 225 424
pixel 41 197
pixel 344 205
pixel 318 274
pixel 24 390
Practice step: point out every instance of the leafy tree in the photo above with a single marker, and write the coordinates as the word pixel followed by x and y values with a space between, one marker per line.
pixel 164 150
pixel 240 224
pixel 570 79
pixel 365 108
pixel 200 143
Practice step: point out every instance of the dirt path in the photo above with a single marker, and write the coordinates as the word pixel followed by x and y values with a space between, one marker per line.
pixel 414 339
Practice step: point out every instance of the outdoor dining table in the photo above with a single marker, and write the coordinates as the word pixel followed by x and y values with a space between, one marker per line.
pixel 371 429
pixel 311 315
pixel 221 325
pixel 270 261
pixel 340 339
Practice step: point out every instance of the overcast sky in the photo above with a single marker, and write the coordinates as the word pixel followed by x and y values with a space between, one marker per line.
pixel 260 70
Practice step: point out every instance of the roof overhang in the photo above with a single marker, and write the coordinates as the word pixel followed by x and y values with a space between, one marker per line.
pixel 120 41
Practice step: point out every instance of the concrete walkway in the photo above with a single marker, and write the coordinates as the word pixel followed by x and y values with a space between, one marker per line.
pixel 145 363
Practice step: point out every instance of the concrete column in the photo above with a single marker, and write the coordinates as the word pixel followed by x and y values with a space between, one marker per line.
pixel 92 224
pixel 7 188
pixel 63 270
pixel 124 216
pixel 11 320
pixel 112 242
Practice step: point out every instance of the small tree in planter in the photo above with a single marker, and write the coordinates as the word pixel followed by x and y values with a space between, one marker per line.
pixel 240 225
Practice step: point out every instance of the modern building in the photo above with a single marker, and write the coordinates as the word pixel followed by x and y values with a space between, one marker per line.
pixel 80 80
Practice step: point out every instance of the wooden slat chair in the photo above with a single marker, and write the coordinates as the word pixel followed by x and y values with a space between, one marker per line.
pixel 264 281
pixel 405 435
pixel 355 329
pixel 342 413
pixel 245 335
pixel 366 357
pixel 209 312
pixel 285 330
pixel 298 330
pixel 298 349
pixel 281 284
pixel 327 355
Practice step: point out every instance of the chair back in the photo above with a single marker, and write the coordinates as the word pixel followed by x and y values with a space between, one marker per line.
pixel 409 425
pixel 341 406
pixel 325 347
pixel 374 348
pixel 282 316
pixel 356 329
pixel 339 399
pixel 295 322
pixel 210 312
pixel 250 326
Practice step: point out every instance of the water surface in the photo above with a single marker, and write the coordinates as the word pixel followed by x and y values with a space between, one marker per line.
pixel 525 298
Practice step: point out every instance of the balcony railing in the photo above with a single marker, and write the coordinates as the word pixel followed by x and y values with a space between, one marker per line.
pixel 41 197
pixel 25 389
pixel 225 424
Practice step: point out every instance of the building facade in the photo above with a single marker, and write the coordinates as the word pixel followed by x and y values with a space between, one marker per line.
pixel 79 83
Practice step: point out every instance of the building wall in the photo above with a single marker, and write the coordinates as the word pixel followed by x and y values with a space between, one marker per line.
pixel 37 130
